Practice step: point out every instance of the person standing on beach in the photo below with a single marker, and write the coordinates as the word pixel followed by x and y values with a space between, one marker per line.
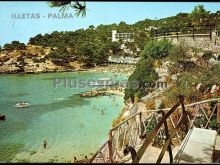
pixel 75 160
pixel 86 159
pixel 45 144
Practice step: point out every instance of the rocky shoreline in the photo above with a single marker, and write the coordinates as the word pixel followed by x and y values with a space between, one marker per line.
pixel 57 71
pixel 103 92
pixel 35 59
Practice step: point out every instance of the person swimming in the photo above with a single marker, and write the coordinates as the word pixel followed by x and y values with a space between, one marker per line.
pixel 45 144
pixel 102 113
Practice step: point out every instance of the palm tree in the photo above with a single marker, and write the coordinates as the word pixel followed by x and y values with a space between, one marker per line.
pixel 80 8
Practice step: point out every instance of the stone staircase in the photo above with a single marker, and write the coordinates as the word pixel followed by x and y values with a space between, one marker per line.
pixel 199 146
pixel 150 156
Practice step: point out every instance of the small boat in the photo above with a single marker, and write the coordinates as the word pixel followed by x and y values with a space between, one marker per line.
pixel 59 98
pixel 2 117
pixel 22 105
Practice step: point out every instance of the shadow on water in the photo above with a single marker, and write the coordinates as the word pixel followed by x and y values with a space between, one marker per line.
pixel 71 102
pixel 18 95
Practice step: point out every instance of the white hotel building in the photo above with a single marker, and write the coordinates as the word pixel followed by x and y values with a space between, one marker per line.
pixel 123 36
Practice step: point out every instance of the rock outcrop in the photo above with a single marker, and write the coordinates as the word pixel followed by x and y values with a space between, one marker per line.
pixel 33 60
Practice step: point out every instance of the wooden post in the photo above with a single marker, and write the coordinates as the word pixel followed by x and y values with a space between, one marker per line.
pixel 184 112
pixel 167 137
pixel 110 147
pixel 218 117
pixel 142 131
pixel 193 33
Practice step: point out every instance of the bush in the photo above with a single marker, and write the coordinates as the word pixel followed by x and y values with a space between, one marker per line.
pixel 157 49
pixel 15 45
pixel 144 73
pixel 178 52
pixel 187 82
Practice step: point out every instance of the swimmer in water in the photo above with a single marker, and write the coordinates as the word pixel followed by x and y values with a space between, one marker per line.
pixel 102 112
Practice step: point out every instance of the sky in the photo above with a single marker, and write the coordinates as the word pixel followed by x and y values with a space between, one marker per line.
pixel 16 28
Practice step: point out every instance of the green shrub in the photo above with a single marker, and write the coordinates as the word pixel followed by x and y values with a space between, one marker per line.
pixel 157 49
pixel 178 52
pixel 15 45
pixel 144 73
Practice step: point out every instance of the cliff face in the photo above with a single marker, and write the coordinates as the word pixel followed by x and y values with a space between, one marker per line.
pixel 33 59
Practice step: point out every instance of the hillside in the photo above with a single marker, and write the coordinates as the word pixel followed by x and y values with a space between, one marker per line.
pixel 32 59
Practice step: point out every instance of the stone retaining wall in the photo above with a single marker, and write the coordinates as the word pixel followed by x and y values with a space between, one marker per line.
pixel 202 41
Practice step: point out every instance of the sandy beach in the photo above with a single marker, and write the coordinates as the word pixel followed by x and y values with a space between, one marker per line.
pixel 115 68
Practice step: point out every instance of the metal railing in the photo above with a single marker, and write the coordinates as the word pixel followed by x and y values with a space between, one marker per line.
pixel 161 128
pixel 191 31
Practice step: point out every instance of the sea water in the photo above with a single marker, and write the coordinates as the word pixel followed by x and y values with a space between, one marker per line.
pixel 71 125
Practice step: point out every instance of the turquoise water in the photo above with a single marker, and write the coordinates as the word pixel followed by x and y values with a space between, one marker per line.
pixel 72 126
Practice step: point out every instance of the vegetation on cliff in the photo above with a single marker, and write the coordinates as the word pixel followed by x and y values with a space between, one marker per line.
pixel 143 75
pixel 14 45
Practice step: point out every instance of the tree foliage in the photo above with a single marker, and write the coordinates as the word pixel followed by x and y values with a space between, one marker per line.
pixel 80 8
pixel 143 75
pixel 157 49
pixel 199 15
pixel 178 52
pixel 15 45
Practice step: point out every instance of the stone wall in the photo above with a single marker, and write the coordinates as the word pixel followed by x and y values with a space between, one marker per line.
pixel 202 41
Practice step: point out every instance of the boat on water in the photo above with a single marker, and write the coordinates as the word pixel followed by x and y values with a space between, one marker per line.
pixel 2 117
pixel 104 82
pixel 22 105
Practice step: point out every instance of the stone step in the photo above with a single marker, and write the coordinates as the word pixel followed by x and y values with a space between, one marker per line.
pixel 197 147
pixel 151 155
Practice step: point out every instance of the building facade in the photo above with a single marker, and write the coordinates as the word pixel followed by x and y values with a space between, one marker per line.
pixel 127 37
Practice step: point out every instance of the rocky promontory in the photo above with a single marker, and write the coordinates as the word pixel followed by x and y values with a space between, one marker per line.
pixel 34 59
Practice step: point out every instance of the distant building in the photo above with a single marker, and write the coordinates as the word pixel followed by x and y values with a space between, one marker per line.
pixel 150 28
pixel 123 60
pixel 127 37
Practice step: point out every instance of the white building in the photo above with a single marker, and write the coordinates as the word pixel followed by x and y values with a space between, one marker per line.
pixel 150 28
pixel 123 36
pixel 123 60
